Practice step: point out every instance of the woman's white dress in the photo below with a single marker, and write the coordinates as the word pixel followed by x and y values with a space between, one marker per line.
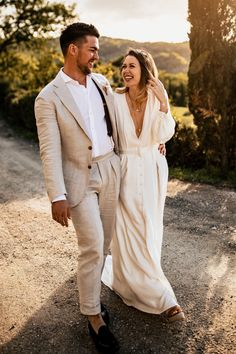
pixel 134 270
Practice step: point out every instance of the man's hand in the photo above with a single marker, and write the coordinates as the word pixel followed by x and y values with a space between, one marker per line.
pixel 61 212
pixel 162 149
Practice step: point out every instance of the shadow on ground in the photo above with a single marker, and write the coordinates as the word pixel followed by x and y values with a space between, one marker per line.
pixel 58 326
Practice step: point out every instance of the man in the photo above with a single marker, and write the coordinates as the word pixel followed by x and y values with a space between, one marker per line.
pixel 77 136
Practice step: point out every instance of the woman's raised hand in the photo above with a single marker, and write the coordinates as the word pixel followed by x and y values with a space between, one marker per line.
pixel 158 89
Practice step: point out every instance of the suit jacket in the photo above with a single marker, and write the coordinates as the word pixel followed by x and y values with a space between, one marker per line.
pixel 65 147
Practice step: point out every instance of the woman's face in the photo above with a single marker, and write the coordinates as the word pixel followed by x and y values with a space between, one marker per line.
pixel 131 71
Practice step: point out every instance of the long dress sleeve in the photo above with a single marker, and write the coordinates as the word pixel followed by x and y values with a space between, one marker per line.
pixel 164 126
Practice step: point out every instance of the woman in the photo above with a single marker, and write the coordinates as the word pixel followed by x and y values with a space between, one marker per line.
pixel 144 122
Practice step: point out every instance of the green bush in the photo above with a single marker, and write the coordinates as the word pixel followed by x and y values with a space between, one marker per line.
pixel 183 149
pixel 26 72
pixel 20 113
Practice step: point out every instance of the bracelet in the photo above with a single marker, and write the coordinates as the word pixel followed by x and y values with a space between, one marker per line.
pixel 163 104
pixel 163 107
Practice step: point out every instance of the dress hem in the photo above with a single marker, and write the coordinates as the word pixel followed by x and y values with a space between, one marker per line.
pixel 138 307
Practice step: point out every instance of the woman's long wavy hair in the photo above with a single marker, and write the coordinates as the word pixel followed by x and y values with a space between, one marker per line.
pixel 148 70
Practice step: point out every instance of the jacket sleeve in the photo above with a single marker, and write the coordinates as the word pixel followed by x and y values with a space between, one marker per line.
pixel 50 146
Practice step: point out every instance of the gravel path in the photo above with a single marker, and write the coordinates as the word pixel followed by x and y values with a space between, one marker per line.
pixel 39 300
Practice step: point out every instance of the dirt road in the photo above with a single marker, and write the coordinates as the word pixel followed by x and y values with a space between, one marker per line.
pixel 39 300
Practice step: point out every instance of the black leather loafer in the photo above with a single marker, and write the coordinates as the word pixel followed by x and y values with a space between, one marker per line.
pixel 105 314
pixel 105 341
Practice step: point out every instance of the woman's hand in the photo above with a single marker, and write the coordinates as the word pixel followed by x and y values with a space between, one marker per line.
pixel 162 149
pixel 158 89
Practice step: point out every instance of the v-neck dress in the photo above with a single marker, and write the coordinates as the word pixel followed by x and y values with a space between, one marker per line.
pixel 134 270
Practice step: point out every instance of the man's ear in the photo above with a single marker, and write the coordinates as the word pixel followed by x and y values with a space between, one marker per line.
pixel 72 49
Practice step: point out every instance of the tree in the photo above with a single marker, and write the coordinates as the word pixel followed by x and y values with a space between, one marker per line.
pixel 28 61
pixel 176 85
pixel 212 79
pixel 23 20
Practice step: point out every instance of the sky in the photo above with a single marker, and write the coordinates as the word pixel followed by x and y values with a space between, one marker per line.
pixel 140 20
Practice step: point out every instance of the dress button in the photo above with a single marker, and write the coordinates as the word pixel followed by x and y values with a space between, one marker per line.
pixel 89 166
pixel 90 147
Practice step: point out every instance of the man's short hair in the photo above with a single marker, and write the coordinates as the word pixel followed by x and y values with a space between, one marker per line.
pixel 75 33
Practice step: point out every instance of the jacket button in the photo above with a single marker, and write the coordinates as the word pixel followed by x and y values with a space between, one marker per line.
pixel 89 166
pixel 90 147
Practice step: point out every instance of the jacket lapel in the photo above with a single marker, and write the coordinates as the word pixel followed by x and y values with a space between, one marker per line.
pixel 65 96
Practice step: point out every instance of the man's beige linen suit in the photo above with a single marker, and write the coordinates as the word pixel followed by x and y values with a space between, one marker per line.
pixel 91 185
pixel 65 147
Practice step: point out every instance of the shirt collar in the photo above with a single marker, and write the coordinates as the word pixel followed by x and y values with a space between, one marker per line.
pixel 67 78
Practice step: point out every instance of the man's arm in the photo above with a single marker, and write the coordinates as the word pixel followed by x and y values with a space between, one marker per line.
pixel 50 152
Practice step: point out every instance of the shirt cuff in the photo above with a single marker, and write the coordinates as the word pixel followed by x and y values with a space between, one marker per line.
pixel 60 197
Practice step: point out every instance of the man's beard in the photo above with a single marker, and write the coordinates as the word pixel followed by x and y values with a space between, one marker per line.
pixel 85 69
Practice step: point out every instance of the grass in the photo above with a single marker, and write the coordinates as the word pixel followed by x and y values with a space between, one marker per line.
pixel 183 116
pixel 211 176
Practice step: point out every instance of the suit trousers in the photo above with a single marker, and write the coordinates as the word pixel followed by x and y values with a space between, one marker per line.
pixel 93 219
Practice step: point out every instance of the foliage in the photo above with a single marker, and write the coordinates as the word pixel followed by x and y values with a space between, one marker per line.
pixel 176 86
pixel 23 20
pixel 27 61
pixel 212 80
pixel 26 72
pixel 183 117
pixel 111 72
pixel 183 150
pixel 209 175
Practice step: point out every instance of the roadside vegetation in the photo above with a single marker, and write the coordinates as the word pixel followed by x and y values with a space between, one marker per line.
pixel 200 83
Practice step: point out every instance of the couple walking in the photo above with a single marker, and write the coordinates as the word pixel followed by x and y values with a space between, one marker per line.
pixel 104 167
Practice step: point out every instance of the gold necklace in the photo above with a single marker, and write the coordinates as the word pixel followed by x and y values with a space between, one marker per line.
pixel 136 117
pixel 133 105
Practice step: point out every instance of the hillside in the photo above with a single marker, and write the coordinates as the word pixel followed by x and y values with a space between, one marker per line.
pixel 171 57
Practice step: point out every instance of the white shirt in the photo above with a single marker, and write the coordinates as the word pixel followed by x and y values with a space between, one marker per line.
pixel 90 105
